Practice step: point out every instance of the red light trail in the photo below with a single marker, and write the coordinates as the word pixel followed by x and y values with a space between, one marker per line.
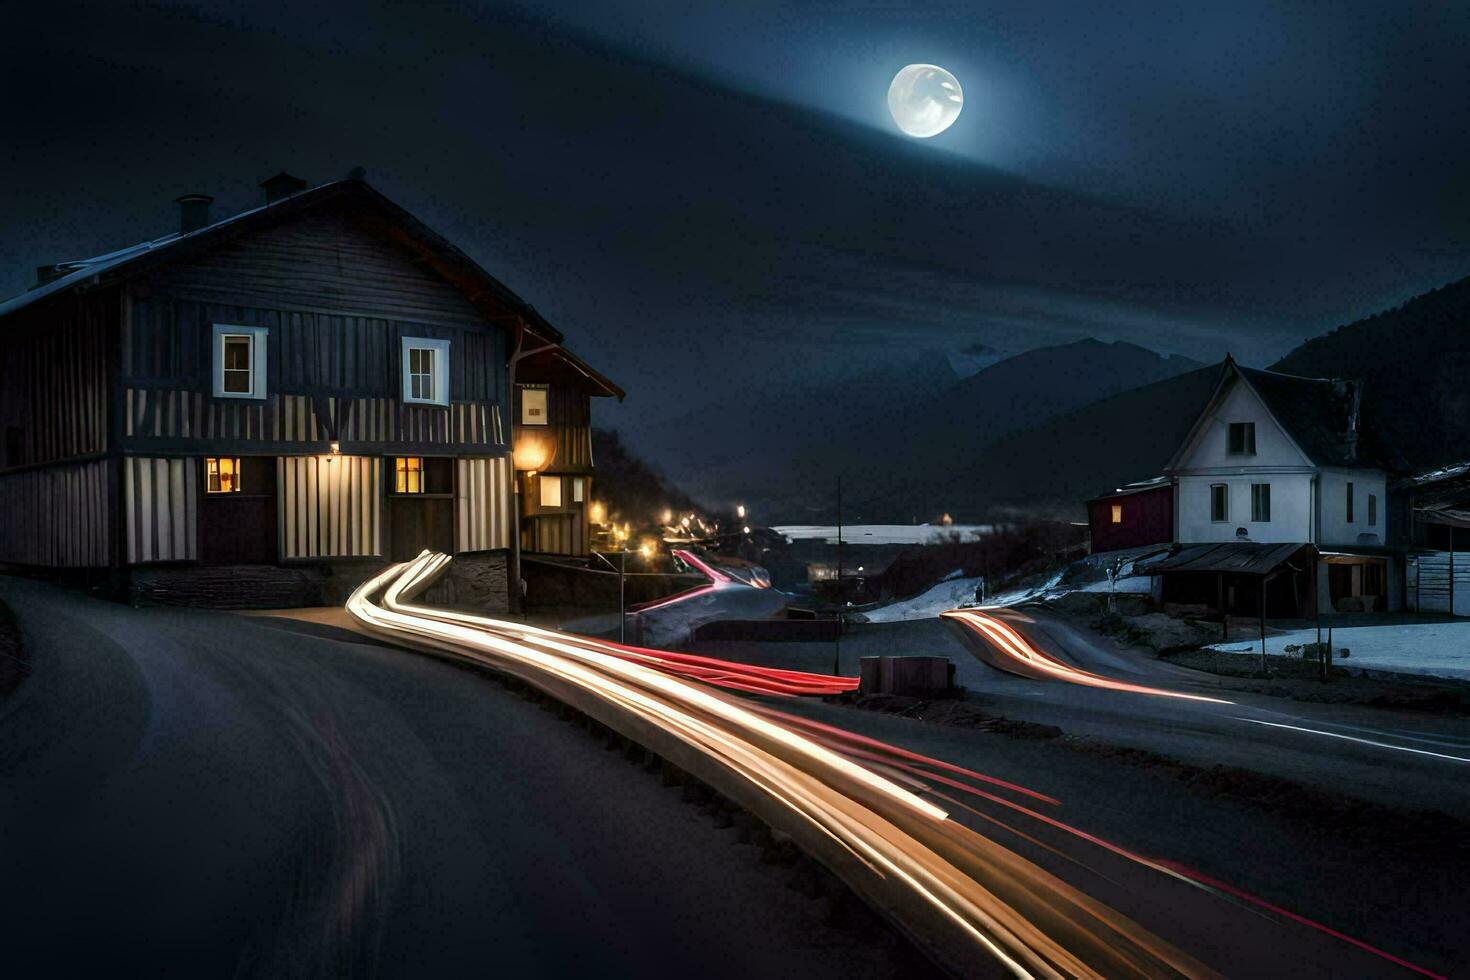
pixel 859 806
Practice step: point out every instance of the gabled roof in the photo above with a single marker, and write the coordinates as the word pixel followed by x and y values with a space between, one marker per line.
pixel 1319 415
pixel 559 362
pixel 446 258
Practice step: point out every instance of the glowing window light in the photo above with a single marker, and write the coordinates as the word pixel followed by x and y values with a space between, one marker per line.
pixel 222 474
pixel 408 474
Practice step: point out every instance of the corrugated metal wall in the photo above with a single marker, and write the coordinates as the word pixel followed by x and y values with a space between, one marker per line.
pixel 1427 585
pixel 161 497
pixel 483 504
pixel 331 506
pixel 56 516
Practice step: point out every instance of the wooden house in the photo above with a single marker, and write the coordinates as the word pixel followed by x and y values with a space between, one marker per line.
pixel 1132 516
pixel 267 408
pixel 1277 459
pixel 553 449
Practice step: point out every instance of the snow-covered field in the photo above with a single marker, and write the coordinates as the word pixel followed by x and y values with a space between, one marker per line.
pixel 949 594
pixel 1438 649
pixel 881 533
pixel 927 605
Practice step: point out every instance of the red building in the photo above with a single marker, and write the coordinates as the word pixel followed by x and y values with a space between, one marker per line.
pixel 1132 516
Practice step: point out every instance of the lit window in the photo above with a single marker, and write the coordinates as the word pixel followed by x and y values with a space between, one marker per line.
pixel 426 371
pixel 409 474
pixel 1117 513
pixel 1219 502
pixel 579 488
pixel 239 361
pixel 533 406
pixel 1261 503
pixel 1242 439
pixel 550 491
pixel 222 474
pixel 1372 510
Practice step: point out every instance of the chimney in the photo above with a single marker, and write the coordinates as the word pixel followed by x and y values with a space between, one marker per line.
pixel 193 212
pixel 281 186
pixel 46 273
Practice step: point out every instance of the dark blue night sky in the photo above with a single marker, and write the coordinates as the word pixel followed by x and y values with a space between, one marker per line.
pixel 708 202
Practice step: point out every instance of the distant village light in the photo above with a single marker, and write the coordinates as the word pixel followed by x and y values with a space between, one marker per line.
pixel 667 517
pixel 740 513
pixel 598 512
pixel 746 529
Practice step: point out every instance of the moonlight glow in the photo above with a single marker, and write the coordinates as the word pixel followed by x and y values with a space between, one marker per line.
pixel 925 100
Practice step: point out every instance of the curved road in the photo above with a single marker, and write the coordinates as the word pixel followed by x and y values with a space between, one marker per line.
pixel 203 794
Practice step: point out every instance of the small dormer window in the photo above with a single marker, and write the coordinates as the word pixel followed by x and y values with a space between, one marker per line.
pixel 425 371
pixel 239 361
pixel 1241 440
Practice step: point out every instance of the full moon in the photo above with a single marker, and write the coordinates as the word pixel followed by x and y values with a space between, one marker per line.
pixel 925 100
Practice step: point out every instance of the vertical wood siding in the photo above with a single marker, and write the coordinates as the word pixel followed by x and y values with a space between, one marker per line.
pixel 193 420
pixel 161 498
pixel 57 517
pixel 324 259
pixel 569 428
pixel 53 379
pixel 167 343
pixel 483 504
pixel 331 506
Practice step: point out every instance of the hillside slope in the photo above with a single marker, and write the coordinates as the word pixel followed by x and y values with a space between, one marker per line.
pixel 1415 360
pixel 1052 468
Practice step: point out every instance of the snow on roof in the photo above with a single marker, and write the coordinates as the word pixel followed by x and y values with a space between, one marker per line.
pixel 1434 476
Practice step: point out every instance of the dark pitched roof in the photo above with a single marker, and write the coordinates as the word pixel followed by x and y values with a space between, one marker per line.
pixel 1237 557
pixel 559 363
pixel 1320 414
pixel 439 252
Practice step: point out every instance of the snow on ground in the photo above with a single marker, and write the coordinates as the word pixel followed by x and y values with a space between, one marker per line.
pixel 856 534
pixel 1438 649
pixel 927 605
pixel 1131 583
pixel 951 594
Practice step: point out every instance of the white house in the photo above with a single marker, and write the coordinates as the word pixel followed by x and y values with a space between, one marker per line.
pixel 1277 459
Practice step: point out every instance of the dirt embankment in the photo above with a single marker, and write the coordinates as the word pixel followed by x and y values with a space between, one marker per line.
pixel 14 663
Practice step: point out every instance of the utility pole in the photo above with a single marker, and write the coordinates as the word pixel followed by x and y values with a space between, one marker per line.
pixel 837 643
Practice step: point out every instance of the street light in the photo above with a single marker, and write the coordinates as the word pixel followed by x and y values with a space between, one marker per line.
pixel 740 512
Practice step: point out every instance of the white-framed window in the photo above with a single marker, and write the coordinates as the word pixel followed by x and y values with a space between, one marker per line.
pixel 1261 503
pixel 425 371
pixel 550 491
pixel 533 406
pixel 1219 502
pixel 579 489
pixel 239 361
pixel 1348 503
pixel 1241 439
pixel 1372 510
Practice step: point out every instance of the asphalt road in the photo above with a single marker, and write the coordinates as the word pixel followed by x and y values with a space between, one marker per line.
pixel 200 794
pixel 1401 900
